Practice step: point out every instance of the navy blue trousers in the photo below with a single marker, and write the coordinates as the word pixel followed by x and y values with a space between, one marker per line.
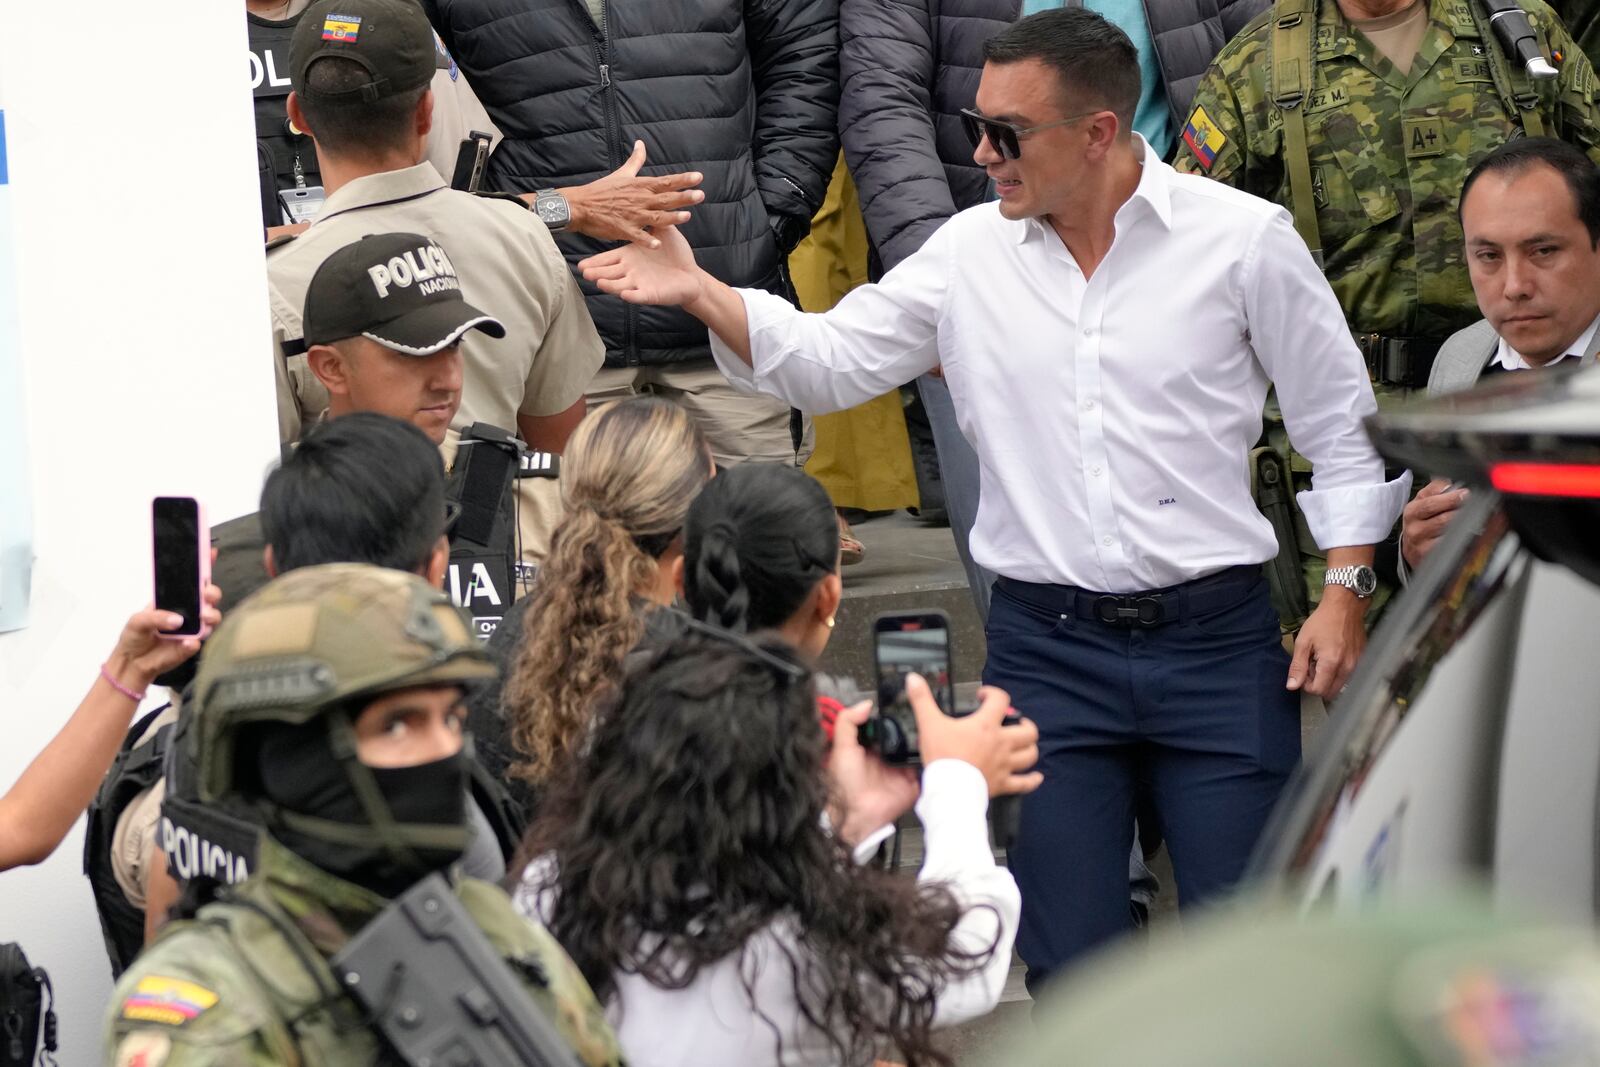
pixel 1193 714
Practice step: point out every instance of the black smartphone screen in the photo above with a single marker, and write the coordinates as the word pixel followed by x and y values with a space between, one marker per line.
pixel 177 562
pixel 914 641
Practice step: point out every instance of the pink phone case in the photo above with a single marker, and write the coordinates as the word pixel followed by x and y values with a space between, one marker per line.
pixel 203 554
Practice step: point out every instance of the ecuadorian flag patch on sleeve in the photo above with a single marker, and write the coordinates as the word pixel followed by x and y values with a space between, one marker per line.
pixel 170 1001
pixel 341 29
pixel 1203 137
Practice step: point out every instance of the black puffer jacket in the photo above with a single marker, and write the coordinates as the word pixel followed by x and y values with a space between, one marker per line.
pixel 745 91
pixel 910 65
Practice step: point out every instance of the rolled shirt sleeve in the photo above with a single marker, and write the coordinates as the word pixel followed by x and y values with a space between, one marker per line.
pixel 876 339
pixel 1300 338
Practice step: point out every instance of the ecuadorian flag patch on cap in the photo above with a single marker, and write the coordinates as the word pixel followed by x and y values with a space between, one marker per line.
pixel 171 1001
pixel 1203 137
pixel 341 29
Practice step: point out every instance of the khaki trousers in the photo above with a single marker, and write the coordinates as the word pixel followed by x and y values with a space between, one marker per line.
pixel 739 427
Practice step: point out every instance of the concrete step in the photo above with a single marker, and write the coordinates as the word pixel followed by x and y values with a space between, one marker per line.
pixel 908 567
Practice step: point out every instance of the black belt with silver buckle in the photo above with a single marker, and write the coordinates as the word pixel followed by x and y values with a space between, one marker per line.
pixel 1144 609
pixel 1401 361
pixel 1157 607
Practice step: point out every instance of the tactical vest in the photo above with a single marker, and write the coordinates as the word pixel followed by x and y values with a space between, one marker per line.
pixel 137 768
pixel 285 159
pixel 486 573
pixel 296 986
pixel 216 841
pixel 1290 79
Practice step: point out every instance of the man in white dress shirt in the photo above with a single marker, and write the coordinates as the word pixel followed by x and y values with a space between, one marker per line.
pixel 1530 212
pixel 1108 330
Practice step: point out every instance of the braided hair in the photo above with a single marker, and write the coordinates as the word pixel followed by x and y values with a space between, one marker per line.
pixel 756 543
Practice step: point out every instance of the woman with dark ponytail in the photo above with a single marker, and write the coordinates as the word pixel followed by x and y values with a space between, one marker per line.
pixel 761 552
pixel 628 477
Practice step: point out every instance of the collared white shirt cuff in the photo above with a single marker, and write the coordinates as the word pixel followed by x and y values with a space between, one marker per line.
pixel 744 378
pixel 868 846
pixel 1355 514
pixel 954 810
pixel 863 851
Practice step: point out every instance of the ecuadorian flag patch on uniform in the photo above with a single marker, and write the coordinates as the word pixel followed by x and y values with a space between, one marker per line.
pixel 1203 137
pixel 170 1001
pixel 341 29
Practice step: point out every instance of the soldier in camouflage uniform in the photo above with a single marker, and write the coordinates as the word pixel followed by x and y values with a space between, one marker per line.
pixel 333 700
pixel 1385 150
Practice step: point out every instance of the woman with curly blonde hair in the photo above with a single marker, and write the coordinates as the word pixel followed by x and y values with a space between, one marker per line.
pixel 628 476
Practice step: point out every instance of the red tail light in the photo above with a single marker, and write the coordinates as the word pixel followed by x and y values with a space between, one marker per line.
pixel 1547 479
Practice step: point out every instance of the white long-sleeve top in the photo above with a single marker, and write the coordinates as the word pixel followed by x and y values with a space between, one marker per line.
pixel 713 1022
pixel 1112 415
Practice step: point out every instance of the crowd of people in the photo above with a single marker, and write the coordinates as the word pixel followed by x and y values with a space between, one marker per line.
pixel 1117 264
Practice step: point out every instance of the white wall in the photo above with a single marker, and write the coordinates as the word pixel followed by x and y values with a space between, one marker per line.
pixel 146 366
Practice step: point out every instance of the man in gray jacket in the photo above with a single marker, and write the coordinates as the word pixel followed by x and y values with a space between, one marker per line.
pixel 908 67
pixel 1531 215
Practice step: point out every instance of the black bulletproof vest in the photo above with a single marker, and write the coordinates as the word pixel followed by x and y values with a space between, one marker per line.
pixel 485 557
pixel 213 841
pixel 136 768
pixel 278 148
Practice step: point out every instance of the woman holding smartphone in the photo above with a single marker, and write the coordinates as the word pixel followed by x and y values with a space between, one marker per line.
pixel 688 863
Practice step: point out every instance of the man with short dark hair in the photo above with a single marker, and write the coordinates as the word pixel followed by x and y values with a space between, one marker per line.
pixel 386 325
pixel 1530 214
pixel 358 488
pixel 1109 329
pixel 364 488
pixel 367 484
pixel 612 207
pixel 363 96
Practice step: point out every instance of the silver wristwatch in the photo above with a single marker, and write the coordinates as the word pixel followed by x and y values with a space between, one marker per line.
pixel 552 209
pixel 1360 580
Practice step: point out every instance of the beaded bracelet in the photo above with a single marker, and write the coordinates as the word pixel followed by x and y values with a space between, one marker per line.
pixel 118 686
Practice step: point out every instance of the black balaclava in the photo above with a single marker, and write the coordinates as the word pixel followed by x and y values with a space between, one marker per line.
pixel 317 810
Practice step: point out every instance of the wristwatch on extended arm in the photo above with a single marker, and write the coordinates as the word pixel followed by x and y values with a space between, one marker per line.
pixel 1360 580
pixel 552 209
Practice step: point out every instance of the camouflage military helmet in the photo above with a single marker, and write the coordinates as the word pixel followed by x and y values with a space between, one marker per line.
pixel 318 638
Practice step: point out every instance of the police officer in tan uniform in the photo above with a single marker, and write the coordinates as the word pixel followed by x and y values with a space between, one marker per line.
pixel 361 91
pixel 284 152
pixel 387 329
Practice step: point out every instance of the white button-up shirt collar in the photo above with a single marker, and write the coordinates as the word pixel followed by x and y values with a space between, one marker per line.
pixel 1113 415
pixel 1509 358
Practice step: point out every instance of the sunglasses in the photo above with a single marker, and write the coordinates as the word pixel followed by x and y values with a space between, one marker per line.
pixel 1005 137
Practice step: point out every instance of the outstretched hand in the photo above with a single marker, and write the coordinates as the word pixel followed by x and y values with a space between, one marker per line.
pixel 666 274
pixel 625 207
